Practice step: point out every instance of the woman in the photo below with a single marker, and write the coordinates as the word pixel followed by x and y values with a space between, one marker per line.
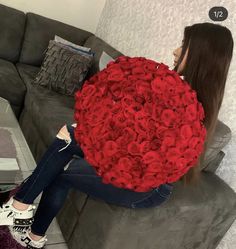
pixel 203 60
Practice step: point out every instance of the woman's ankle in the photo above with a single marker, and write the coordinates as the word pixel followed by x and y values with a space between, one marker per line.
pixel 19 205
pixel 34 236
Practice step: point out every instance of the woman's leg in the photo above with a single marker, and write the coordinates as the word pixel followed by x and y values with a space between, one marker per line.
pixel 53 198
pixel 62 134
pixel 82 176
pixel 52 164
pixel 59 153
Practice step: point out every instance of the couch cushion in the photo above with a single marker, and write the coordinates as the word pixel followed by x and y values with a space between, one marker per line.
pixel 27 73
pixel 12 87
pixel 98 46
pixel 48 109
pixel 211 205
pixel 12 27
pixel 39 30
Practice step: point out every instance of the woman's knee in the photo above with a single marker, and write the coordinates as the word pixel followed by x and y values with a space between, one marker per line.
pixel 63 133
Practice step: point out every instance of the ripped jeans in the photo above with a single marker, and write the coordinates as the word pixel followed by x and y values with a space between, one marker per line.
pixel 55 180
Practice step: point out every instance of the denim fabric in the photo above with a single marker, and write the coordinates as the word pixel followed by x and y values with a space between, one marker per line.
pixel 55 180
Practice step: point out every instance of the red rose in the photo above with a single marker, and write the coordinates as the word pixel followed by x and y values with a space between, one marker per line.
pixel 129 90
pixel 188 98
pixel 146 76
pixel 182 144
pixel 88 91
pixel 127 101
pixel 116 90
pixel 190 154
pixel 191 112
pixel 119 119
pixel 116 75
pixel 110 148
pixel 172 154
pixel 158 85
pixel 138 70
pixel 134 148
pixel 141 126
pixel 169 141
pixel 151 157
pixel 142 86
pixel 155 168
pixel 128 113
pixel 98 117
pixel 126 65
pixel 168 117
pixel 186 132
pixel 151 65
pixel 125 163
pixel 201 113
pixel 129 134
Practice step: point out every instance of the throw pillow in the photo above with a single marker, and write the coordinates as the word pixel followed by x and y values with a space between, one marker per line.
pixel 104 60
pixel 70 44
pixel 63 69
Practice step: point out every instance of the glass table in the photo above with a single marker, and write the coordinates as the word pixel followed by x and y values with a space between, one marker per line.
pixel 16 159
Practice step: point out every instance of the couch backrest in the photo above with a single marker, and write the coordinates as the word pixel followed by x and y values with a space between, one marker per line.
pixel 39 30
pixel 12 25
pixel 98 46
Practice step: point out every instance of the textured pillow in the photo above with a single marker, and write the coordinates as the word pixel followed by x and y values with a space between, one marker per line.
pixel 63 69
pixel 221 137
pixel 70 44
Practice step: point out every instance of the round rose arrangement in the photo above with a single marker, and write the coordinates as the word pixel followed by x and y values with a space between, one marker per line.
pixel 139 124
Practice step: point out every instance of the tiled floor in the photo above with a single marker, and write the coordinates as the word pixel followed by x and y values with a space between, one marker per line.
pixel 54 235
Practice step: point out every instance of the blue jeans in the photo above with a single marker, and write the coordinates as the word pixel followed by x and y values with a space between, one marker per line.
pixel 55 181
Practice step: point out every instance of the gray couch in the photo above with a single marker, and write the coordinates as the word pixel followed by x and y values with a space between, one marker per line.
pixel 193 217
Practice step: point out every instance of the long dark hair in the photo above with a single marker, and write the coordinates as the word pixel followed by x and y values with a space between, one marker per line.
pixel 210 50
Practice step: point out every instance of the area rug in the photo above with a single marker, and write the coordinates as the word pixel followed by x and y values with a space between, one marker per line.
pixel 6 240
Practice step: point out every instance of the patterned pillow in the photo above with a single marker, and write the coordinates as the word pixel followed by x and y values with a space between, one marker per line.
pixel 70 44
pixel 63 69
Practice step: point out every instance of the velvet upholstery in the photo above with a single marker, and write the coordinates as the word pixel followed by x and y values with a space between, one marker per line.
pixel 222 136
pixel 12 87
pixel 41 100
pixel 12 27
pixel 39 30
pixel 193 218
pixel 98 46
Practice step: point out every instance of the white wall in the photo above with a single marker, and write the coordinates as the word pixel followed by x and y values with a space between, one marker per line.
pixel 80 13
pixel 154 28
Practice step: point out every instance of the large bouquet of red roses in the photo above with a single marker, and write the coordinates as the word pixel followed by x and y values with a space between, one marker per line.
pixel 139 124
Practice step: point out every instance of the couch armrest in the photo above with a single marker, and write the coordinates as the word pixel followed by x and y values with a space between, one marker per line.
pixel 215 163
pixel 221 137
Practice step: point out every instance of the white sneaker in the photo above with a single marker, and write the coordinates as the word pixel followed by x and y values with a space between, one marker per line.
pixel 12 216
pixel 25 240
